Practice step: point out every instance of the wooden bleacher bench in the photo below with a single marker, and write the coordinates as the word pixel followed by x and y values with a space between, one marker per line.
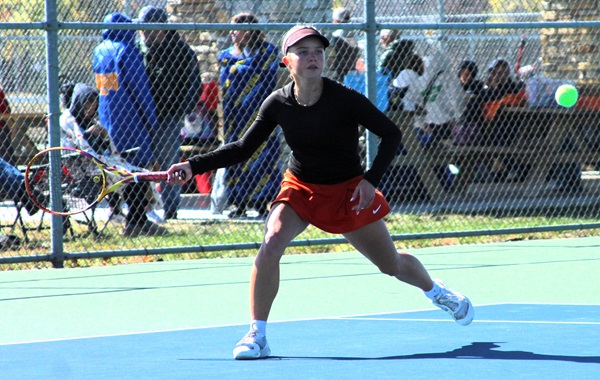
pixel 28 132
pixel 538 144
pixel 29 135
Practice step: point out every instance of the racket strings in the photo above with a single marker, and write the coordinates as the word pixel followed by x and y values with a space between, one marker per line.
pixel 80 184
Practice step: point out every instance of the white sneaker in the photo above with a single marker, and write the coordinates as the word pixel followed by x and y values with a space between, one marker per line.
pixel 153 216
pixel 252 346
pixel 455 304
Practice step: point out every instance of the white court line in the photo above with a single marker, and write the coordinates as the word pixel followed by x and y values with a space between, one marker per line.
pixel 475 321
pixel 543 303
pixel 369 316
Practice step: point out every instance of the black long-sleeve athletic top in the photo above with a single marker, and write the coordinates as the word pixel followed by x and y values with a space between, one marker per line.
pixel 323 137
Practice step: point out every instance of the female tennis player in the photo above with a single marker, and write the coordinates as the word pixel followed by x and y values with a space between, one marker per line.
pixel 325 184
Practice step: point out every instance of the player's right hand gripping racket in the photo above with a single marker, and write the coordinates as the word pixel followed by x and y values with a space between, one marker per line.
pixel 84 179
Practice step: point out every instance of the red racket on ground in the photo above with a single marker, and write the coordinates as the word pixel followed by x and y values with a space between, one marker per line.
pixel 84 179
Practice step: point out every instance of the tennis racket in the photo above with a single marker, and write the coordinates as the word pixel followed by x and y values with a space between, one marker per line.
pixel 84 179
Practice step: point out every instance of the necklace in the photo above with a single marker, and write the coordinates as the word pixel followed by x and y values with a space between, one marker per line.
pixel 312 100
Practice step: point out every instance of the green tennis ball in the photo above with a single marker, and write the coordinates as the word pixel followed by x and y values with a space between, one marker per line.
pixel 566 95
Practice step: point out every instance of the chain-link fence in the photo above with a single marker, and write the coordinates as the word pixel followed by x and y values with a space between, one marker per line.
pixel 486 151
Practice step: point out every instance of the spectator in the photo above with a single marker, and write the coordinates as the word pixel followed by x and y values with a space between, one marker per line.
pixel 500 79
pixel 6 147
pixel 467 129
pixel 12 181
pixel 83 131
pixel 248 75
pixel 126 108
pixel 396 54
pixel 388 36
pixel 66 94
pixel 501 91
pixel 174 75
pixel 345 50
pixel 415 68
pixel 325 185
pixel 12 185
pixel 434 96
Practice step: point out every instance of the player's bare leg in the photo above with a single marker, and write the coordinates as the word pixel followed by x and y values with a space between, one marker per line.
pixel 282 225
pixel 375 243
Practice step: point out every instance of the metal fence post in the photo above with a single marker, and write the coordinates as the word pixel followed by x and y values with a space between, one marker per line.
pixel 371 72
pixel 54 128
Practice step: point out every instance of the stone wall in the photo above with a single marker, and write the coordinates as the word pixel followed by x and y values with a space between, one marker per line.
pixel 207 44
pixel 204 43
pixel 569 53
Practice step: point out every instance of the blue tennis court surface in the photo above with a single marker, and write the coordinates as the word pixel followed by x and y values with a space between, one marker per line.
pixel 537 317
pixel 507 341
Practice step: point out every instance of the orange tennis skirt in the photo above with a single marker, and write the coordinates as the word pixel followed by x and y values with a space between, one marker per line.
pixel 328 207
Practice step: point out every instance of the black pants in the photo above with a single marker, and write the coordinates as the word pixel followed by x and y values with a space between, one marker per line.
pixel 136 197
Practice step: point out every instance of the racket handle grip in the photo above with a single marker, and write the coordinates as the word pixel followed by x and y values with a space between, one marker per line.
pixel 156 176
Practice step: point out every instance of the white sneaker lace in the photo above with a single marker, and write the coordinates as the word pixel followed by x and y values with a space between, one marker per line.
pixel 253 337
pixel 449 301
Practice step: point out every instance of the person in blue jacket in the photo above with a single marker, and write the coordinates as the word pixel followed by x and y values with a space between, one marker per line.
pixel 248 75
pixel 126 107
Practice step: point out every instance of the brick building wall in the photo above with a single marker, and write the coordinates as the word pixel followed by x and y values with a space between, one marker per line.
pixel 569 53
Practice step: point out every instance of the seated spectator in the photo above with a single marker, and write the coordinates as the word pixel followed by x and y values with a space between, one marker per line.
pixel 467 74
pixel 435 100
pixel 12 180
pixel 466 130
pixel 500 90
pixel 12 186
pixel 397 52
pixel 66 93
pixel 436 106
pixel 415 68
pixel 83 131
pixel 500 128
pixel 499 83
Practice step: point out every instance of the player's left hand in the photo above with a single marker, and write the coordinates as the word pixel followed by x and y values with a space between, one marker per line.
pixel 365 193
